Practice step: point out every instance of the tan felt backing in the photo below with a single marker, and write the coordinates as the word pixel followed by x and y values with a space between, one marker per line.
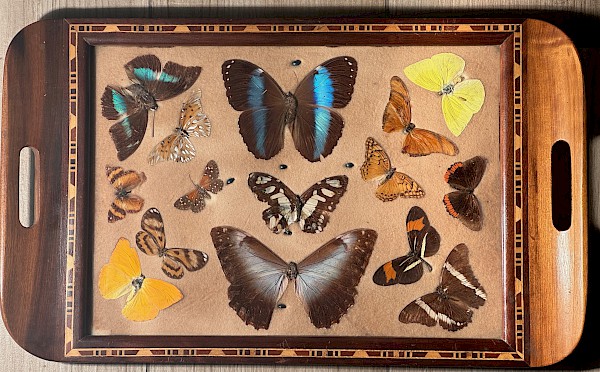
pixel 204 309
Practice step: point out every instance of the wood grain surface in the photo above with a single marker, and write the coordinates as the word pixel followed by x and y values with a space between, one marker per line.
pixel 579 19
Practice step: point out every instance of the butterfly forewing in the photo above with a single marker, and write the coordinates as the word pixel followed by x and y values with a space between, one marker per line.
pixel 403 270
pixel 466 175
pixel 423 238
pixel 330 84
pixel 397 114
pixel 192 118
pixel 257 276
pixel 421 142
pixel 328 277
pixel 283 202
pixel 192 200
pixel 377 162
pixel 458 278
pixel 319 201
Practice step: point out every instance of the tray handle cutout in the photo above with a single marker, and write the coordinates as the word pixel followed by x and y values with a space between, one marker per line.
pixel 561 185
pixel 28 185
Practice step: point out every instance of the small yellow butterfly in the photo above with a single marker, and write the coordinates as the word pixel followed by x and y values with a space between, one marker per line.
pixel 145 296
pixel 443 74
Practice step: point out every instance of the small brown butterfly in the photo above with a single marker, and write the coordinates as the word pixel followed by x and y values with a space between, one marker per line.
pixel 152 241
pixel 397 117
pixel 209 182
pixel 390 184
pixel 124 182
pixel 463 204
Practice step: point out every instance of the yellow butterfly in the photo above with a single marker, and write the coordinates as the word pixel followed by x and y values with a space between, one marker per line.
pixel 443 74
pixel 145 296
pixel 177 145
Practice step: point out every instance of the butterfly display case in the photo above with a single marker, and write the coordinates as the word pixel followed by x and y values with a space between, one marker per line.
pixel 332 191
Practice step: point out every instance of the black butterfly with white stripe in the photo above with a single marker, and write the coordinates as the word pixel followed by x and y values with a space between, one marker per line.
pixel 311 209
pixel 451 305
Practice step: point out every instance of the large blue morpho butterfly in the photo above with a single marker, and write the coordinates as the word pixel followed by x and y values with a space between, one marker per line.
pixel 130 105
pixel 267 109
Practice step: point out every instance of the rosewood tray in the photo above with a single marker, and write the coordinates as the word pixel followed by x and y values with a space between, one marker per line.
pixel 529 255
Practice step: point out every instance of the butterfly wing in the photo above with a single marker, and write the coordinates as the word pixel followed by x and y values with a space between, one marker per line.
pixel 283 202
pixel 433 309
pixel 210 179
pixel 116 276
pixel 192 119
pixel 151 240
pixel 423 239
pixel 169 82
pixel 466 175
pixel 459 106
pixel 435 72
pixel 403 270
pixel 117 103
pixel 154 295
pixel 257 276
pixel 173 147
pixel 399 184
pixel 319 201
pixel 262 102
pixel 377 163
pixel 466 207
pixel 420 142
pixel 317 128
pixel 327 278
pixel 193 200
pixel 127 133
pixel 397 114
pixel 458 280
pixel 191 259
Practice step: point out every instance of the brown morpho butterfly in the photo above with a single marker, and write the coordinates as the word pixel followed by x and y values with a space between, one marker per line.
pixel 130 105
pixel 311 209
pixel 152 241
pixel 451 305
pixel 124 182
pixel 308 112
pixel 177 146
pixel 423 241
pixel 209 182
pixel 397 117
pixel 463 204
pixel 325 281
pixel 390 184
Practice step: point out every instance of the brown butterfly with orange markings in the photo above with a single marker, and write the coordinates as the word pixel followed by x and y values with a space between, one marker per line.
pixel 463 204
pixel 152 241
pixel 390 184
pixel 423 241
pixel 397 117
pixel 124 182
pixel 210 181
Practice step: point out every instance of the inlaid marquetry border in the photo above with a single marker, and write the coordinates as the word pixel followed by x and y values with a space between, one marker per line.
pixel 75 29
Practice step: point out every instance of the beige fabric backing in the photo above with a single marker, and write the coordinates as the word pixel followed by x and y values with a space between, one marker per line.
pixel 204 309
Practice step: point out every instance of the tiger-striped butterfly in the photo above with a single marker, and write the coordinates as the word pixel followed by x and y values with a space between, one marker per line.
pixel 390 184
pixel 397 117
pixel 267 109
pixel 210 182
pixel 464 177
pixel 423 241
pixel 325 281
pixel 153 241
pixel 451 304
pixel 123 183
pixel 177 146
pixel 130 105
pixel 311 209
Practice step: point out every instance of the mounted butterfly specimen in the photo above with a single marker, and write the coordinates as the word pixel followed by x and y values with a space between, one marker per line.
pixel 209 182
pixel 463 204
pixel 123 183
pixel 390 184
pixel 311 209
pixel 325 281
pixel 397 117
pixel 177 146
pixel 267 109
pixel 451 304
pixel 423 241
pixel 122 275
pixel 130 105
pixel 444 74
pixel 152 241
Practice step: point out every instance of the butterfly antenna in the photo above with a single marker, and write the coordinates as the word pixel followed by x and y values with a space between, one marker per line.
pixel 296 75
pixel 193 183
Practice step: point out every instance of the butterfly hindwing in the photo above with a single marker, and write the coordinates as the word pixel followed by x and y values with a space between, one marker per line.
pixel 128 133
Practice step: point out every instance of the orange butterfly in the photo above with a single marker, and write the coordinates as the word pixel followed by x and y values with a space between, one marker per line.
pixel 145 296
pixel 391 184
pixel 210 181
pixel 124 182
pixel 397 117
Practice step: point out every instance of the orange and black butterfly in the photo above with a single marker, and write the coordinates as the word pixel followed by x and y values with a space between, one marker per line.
pixel 124 182
pixel 209 182
pixel 423 241
pixel 390 184
pixel 451 304
pixel 463 204
pixel 397 117
pixel 152 241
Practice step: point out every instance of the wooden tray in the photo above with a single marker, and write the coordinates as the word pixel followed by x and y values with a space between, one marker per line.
pixel 47 271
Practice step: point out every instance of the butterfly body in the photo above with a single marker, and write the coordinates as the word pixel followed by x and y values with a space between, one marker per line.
pixel 311 210
pixel 307 112
pixel 142 97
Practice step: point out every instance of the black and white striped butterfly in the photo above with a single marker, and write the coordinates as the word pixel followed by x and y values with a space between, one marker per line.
pixel 325 281
pixel 311 209
pixel 451 305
